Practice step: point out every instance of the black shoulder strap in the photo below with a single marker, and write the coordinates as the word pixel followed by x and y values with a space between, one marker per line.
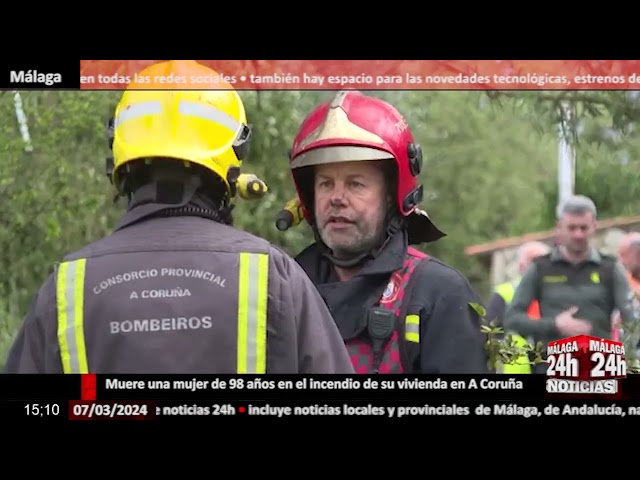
pixel 409 351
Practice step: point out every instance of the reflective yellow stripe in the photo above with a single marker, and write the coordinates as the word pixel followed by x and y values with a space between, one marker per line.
pixel 506 291
pixel 521 364
pixel 253 287
pixel 412 328
pixel 70 303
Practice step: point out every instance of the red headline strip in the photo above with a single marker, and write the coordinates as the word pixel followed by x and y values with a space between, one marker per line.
pixel 88 386
pixel 378 74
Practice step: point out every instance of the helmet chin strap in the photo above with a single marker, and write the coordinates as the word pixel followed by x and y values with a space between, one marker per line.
pixel 394 223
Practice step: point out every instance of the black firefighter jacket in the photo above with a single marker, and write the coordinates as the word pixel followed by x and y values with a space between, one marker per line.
pixel 178 295
pixel 451 340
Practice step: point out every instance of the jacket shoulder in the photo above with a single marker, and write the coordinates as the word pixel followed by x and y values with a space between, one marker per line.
pixel 278 252
pixel 437 278
pixel 607 257
pixel 546 258
pixel 84 252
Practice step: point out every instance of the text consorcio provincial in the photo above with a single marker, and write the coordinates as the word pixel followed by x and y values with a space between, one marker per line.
pixel 412 384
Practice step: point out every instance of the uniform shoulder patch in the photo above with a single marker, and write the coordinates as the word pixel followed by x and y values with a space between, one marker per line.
pixel 393 287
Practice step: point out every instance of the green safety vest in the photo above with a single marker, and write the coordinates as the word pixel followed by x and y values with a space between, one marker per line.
pixel 521 364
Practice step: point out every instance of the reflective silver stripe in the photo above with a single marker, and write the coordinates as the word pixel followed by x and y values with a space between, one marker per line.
pixel 412 328
pixel 206 112
pixel 138 110
pixel 209 113
pixel 252 312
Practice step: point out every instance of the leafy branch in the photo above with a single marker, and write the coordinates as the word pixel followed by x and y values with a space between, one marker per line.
pixel 502 349
pixel 622 108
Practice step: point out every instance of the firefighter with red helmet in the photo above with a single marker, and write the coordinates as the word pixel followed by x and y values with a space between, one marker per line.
pixel 355 165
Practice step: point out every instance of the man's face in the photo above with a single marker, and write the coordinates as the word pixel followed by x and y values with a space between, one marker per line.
pixel 634 262
pixel 350 205
pixel 575 232
pixel 530 255
pixel 625 253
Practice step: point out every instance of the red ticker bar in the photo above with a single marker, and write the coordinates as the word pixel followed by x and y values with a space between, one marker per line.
pixel 88 386
pixel 373 75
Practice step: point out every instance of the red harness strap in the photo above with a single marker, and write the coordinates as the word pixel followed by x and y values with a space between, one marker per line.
pixel 360 349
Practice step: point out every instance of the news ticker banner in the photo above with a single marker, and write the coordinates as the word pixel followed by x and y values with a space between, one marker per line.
pixel 585 376
pixel 333 75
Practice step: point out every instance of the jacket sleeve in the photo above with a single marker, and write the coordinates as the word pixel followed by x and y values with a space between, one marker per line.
pixel 451 333
pixel 314 337
pixel 495 309
pixel 517 319
pixel 29 352
pixel 623 295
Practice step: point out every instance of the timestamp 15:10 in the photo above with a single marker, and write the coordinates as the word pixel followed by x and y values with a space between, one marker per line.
pixel 42 409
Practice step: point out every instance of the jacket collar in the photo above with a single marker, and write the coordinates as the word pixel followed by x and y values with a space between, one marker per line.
pixel 320 269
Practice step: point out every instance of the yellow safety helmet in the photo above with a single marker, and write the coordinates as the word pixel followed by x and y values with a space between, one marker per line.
pixel 193 115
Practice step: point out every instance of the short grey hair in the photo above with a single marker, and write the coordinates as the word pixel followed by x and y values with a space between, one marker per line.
pixel 525 249
pixel 578 205
pixel 635 244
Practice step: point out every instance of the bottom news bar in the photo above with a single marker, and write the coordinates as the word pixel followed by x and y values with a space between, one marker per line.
pixel 174 410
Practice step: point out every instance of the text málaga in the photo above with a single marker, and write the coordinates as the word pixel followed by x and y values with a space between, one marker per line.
pixel 34 76
pixel 563 348
pixel 600 346
pixel 594 346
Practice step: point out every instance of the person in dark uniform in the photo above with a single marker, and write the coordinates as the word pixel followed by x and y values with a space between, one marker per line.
pixel 175 288
pixel 355 165
pixel 578 288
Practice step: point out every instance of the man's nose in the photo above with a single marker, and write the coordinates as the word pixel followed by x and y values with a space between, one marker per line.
pixel 337 195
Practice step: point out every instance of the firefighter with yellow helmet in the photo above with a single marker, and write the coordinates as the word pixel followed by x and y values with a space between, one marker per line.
pixel 175 288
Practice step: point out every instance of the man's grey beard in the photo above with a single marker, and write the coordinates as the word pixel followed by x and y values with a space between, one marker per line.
pixel 347 252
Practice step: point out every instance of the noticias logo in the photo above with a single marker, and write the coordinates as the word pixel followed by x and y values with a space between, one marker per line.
pixel 585 365
pixel 560 385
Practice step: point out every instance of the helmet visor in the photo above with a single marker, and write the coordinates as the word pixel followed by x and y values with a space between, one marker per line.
pixel 336 154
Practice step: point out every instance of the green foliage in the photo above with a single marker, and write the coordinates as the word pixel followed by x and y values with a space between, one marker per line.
pixel 502 349
pixel 56 197
pixel 602 128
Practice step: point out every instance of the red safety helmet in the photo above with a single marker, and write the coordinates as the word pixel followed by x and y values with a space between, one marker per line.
pixel 354 127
